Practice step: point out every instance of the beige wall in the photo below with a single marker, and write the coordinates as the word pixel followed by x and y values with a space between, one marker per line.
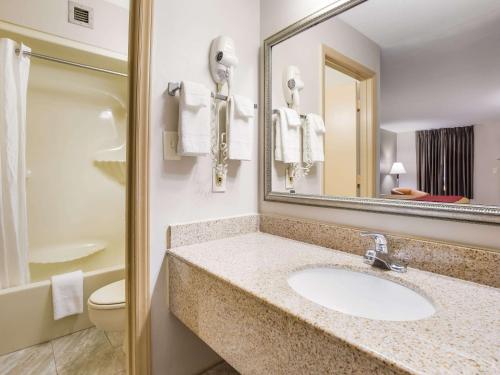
pixel 71 198
pixel 181 190
pixel 51 17
pixel 276 14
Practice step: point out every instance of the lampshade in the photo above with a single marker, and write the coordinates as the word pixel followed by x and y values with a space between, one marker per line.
pixel 397 168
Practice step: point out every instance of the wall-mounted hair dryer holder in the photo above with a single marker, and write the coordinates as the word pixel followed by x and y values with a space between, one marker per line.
pixel 219 146
pixel 222 62
pixel 292 85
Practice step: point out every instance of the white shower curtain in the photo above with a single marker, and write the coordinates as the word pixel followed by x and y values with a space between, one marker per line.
pixel 14 71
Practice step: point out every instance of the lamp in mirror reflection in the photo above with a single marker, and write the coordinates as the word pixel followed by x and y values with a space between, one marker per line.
pixel 397 169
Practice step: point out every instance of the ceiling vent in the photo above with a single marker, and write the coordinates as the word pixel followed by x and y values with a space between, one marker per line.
pixel 80 14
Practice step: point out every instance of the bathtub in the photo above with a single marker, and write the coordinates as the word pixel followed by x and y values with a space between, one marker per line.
pixel 26 315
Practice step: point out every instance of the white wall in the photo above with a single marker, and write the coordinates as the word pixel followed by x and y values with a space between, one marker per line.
pixel 388 153
pixel 51 16
pixel 487 164
pixel 181 190
pixel 445 82
pixel 277 14
pixel 304 51
pixel 407 154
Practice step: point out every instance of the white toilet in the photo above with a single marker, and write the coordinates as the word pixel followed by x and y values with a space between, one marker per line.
pixel 107 307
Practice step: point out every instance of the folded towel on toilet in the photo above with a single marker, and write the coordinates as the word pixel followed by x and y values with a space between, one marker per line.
pixel 67 294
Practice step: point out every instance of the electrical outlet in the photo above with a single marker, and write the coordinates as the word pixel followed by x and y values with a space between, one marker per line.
pixel 218 182
pixel 288 179
pixel 170 146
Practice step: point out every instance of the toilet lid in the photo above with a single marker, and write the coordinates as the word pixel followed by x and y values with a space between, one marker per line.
pixel 111 294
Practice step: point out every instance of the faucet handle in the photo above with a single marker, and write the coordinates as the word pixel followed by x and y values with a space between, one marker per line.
pixel 380 241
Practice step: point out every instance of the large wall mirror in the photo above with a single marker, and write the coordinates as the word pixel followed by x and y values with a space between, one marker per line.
pixel 390 106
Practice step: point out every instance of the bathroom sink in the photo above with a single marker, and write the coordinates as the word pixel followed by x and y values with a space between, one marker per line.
pixel 360 294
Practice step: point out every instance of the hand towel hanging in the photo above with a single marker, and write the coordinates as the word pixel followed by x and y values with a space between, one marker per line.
pixel 287 139
pixel 194 120
pixel 240 128
pixel 313 139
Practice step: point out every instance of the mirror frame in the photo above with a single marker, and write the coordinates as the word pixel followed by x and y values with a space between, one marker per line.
pixel 471 213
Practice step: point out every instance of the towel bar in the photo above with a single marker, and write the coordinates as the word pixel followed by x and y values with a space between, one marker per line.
pixel 275 112
pixel 173 87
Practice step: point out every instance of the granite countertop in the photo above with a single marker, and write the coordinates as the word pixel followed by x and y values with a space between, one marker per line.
pixel 462 337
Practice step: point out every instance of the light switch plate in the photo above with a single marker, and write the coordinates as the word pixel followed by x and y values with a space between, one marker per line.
pixel 170 146
pixel 218 186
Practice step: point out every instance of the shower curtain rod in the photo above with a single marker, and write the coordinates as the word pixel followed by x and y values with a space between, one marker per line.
pixel 66 62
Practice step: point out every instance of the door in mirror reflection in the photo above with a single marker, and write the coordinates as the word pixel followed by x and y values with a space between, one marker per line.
pixel 349 109
pixel 341 166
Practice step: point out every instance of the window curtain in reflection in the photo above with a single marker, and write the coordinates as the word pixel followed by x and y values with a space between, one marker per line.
pixel 14 71
pixel 445 161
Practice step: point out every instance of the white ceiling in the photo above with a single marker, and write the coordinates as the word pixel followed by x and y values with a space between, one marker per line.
pixel 440 60
pixel 121 3
pixel 394 23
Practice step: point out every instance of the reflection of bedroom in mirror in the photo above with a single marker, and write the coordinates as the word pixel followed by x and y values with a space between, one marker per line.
pixel 391 107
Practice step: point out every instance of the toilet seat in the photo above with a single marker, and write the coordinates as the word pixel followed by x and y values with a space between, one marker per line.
pixel 109 297
pixel 107 308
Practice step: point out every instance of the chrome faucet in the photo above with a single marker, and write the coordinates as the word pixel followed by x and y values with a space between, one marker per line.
pixel 380 256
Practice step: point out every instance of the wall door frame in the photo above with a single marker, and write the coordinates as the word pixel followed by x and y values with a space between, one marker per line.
pixel 368 113
pixel 137 251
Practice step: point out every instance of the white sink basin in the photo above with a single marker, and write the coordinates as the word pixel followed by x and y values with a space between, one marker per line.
pixel 360 294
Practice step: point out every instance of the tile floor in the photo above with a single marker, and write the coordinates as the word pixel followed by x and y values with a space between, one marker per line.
pixel 87 352
pixel 222 368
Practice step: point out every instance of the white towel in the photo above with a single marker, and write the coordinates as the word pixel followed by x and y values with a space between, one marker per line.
pixel 67 294
pixel 194 120
pixel 287 136
pixel 240 128
pixel 292 117
pixel 313 140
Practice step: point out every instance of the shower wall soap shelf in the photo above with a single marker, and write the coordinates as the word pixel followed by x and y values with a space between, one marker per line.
pixel 65 252
pixel 113 163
